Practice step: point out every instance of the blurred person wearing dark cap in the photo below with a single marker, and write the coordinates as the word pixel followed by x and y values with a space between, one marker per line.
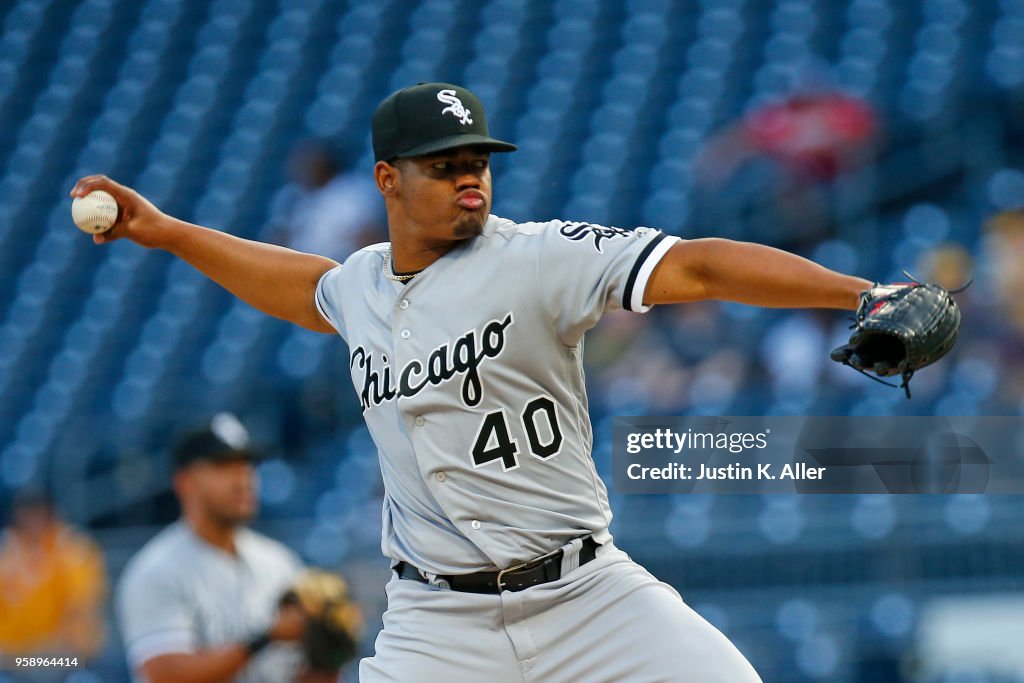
pixel 53 583
pixel 201 601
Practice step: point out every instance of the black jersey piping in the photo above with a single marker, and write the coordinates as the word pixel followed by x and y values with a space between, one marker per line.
pixel 627 296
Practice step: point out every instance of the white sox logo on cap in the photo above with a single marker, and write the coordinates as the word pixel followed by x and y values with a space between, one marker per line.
pixel 455 107
pixel 229 430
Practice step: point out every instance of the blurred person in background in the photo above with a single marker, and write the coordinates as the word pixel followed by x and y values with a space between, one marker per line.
pixel 948 265
pixel 201 601
pixel 998 338
pixel 1004 251
pixel 812 136
pixel 327 208
pixel 776 164
pixel 53 583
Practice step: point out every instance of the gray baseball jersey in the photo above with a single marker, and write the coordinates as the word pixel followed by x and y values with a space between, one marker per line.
pixel 471 382
pixel 180 594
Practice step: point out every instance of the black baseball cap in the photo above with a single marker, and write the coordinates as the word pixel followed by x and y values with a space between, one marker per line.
pixel 428 118
pixel 223 439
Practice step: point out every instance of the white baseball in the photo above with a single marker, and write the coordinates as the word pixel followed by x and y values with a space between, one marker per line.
pixel 94 213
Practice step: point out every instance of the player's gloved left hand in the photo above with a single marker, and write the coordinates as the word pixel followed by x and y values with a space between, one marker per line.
pixel 900 328
pixel 334 623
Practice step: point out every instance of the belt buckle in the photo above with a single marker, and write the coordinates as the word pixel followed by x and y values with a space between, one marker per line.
pixel 513 568
pixel 523 565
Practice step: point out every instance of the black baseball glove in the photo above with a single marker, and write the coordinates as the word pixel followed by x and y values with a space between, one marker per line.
pixel 334 623
pixel 900 328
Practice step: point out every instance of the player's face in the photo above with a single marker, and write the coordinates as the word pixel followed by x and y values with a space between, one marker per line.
pixel 224 491
pixel 446 195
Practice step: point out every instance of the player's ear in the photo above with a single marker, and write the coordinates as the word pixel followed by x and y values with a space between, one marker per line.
pixel 182 483
pixel 387 177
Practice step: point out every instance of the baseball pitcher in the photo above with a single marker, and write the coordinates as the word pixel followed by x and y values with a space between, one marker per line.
pixel 466 340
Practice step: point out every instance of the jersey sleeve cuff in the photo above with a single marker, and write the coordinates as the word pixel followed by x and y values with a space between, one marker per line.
pixel 318 297
pixel 165 642
pixel 636 285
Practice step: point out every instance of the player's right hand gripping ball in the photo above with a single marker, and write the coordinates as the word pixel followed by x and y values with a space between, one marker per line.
pixel 899 329
pixel 334 623
pixel 94 213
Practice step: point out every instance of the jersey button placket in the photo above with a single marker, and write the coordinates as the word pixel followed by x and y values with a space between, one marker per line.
pixel 405 334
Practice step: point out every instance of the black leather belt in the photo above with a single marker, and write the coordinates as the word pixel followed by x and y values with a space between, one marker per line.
pixel 515 578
